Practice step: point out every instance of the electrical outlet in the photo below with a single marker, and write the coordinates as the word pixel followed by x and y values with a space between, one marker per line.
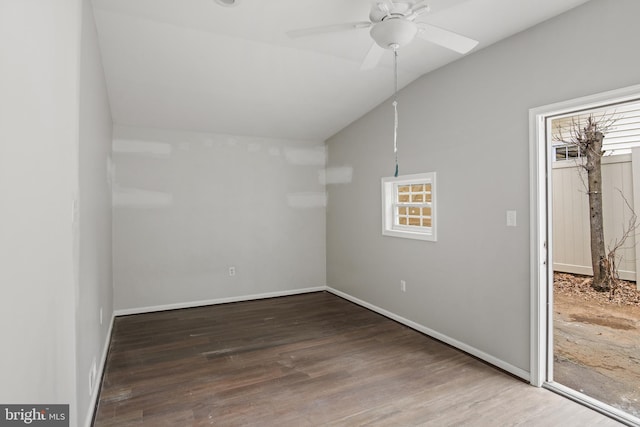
pixel 403 286
pixel 232 271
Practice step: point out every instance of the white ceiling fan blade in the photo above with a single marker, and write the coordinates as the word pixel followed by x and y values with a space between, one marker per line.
pixel 328 29
pixel 419 8
pixel 385 5
pixel 373 57
pixel 446 38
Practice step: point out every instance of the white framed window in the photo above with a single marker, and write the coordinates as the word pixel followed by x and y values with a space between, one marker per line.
pixel 409 206
pixel 565 152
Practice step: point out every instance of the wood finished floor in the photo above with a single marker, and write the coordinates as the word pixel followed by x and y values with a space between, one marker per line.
pixel 307 360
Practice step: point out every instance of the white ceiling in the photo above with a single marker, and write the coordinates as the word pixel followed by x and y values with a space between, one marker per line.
pixel 196 65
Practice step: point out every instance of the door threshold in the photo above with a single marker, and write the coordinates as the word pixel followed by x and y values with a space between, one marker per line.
pixel 597 405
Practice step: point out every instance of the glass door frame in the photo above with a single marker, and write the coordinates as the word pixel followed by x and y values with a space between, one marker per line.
pixel 541 265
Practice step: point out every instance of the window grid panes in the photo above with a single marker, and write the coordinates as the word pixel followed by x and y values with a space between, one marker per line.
pixel 413 205
pixel 566 152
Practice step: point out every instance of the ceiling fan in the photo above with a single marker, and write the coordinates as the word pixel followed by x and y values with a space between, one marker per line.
pixel 393 25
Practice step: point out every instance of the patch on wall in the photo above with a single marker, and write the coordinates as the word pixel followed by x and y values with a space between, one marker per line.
pixel 307 200
pixel 315 156
pixel 254 147
pixel 131 146
pixel 139 198
pixel 341 175
pixel 274 151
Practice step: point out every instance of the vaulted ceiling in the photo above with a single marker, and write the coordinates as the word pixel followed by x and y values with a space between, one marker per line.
pixel 198 65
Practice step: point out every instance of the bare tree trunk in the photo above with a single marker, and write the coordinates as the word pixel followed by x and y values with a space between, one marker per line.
pixel 588 139
pixel 594 178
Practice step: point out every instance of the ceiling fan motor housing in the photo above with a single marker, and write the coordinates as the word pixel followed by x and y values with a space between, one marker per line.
pixel 393 32
pixel 384 9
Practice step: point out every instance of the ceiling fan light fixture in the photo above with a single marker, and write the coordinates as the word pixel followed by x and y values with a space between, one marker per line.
pixel 393 33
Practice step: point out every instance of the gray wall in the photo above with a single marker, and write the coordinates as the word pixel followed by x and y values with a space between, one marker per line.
pixel 187 206
pixel 95 287
pixel 54 140
pixel 39 42
pixel 469 123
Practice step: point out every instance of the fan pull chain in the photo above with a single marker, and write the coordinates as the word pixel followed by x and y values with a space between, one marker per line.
pixel 395 135
pixel 395 106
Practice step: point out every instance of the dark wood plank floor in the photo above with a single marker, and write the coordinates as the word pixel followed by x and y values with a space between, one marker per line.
pixel 307 360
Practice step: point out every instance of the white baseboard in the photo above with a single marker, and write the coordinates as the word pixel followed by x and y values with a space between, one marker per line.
pixel 437 335
pixel 200 303
pixel 98 383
